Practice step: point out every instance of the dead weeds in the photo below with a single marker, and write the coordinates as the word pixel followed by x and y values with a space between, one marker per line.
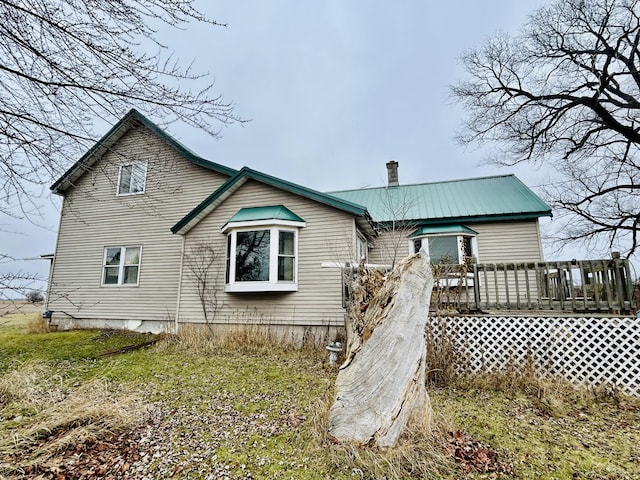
pixel 45 414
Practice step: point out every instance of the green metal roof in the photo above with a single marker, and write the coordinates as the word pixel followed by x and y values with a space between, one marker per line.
pixel 275 212
pixel 116 132
pixel 244 174
pixel 443 229
pixel 475 199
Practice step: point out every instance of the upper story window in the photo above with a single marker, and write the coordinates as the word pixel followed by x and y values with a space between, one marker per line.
pixel 132 178
pixel 447 244
pixel 121 265
pixel 262 250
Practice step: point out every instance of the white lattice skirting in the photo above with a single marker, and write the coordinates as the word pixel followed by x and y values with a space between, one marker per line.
pixel 587 351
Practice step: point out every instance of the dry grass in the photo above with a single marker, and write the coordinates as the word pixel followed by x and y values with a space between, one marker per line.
pixel 553 395
pixel 254 383
pixel 10 307
pixel 37 324
pixel 48 413
pixel 246 339
pixel 442 358
pixel 420 452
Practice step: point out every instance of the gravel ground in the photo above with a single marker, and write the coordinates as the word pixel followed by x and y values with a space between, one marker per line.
pixel 179 442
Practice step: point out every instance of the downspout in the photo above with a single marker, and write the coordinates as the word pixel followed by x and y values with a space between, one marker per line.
pixel 179 284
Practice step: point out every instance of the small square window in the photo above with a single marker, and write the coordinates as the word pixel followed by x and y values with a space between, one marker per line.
pixel 443 249
pixel 132 179
pixel 121 266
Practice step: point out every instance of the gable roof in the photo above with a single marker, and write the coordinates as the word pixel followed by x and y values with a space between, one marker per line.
pixel 501 197
pixel 243 175
pixel 132 118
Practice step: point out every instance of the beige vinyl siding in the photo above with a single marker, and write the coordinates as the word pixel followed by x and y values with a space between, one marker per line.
pixel 94 217
pixel 508 242
pixel 501 242
pixel 390 245
pixel 327 237
pixel 497 242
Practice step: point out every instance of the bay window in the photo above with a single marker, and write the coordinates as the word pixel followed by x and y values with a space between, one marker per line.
pixel 262 253
pixel 449 244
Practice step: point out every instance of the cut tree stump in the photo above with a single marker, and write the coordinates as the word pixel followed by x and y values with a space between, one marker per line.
pixel 381 385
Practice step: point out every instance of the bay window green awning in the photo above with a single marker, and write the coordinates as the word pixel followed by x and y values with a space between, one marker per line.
pixel 453 229
pixel 274 212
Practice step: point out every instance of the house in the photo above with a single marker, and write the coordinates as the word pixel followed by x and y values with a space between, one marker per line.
pixel 153 236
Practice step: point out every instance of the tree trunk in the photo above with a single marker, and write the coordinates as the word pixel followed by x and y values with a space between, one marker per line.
pixel 381 385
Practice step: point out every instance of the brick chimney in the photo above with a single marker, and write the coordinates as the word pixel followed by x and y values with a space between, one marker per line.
pixel 392 173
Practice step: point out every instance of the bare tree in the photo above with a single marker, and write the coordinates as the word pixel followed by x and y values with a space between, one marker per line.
pixel 565 91
pixel 204 265
pixel 398 223
pixel 66 63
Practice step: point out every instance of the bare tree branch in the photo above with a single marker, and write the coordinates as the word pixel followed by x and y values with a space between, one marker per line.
pixel 565 92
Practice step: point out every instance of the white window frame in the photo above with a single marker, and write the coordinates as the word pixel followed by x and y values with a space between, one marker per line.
pixel 121 266
pixel 362 247
pixel 459 241
pixel 273 284
pixel 133 165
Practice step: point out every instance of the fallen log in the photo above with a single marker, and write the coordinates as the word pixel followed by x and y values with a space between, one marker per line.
pixel 128 348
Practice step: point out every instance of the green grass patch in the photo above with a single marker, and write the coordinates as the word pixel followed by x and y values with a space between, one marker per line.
pixel 18 345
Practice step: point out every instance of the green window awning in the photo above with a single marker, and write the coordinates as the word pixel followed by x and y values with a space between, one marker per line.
pixel 453 229
pixel 274 212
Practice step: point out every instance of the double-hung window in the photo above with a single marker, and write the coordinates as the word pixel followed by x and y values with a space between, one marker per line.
pixel 132 178
pixel 262 252
pixel 121 265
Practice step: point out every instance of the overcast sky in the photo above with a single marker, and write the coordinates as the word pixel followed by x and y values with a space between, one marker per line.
pixel 334 90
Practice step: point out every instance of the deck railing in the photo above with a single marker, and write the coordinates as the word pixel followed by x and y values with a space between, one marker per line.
pixel 579 286
pixel 594 286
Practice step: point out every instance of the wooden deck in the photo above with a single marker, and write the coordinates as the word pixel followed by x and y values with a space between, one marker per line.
pixel 578 286
pixel 593 287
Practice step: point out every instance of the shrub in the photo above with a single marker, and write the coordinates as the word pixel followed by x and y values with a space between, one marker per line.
pixel 34 296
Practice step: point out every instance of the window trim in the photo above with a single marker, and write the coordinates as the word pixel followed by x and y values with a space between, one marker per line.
pixel 274 226
pixel 121 266
pixel 142 164
pixel 362 246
